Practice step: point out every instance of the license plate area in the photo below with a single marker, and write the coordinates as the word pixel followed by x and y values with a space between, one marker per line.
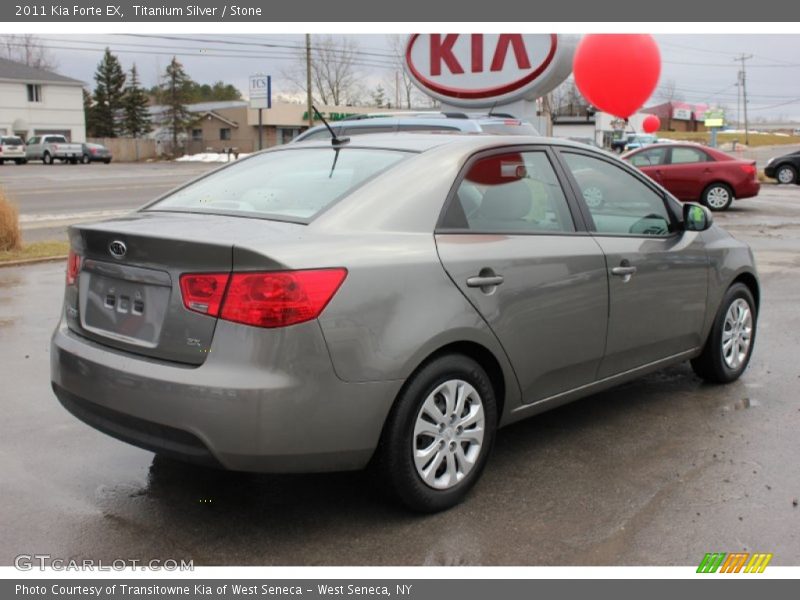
pixel 123 309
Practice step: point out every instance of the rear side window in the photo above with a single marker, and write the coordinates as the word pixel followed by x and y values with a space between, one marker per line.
pixel 515 193
pixel 681 156
pixel 291 185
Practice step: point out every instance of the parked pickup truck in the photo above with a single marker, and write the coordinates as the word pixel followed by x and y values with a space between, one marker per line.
pixel 48 148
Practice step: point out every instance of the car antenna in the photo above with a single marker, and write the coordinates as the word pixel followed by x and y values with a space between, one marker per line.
pixel 335 140
pixel 491 110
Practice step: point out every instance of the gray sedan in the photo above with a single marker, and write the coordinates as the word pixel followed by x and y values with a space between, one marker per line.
pixel 390 302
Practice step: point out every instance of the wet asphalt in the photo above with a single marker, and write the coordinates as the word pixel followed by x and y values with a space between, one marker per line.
pixel 659 471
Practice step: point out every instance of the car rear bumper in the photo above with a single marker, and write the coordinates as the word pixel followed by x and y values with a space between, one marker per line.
pixel 748 189
pixel 12 154
pixel 270 402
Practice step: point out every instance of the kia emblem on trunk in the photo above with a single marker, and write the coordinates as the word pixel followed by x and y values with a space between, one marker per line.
pixel 117 249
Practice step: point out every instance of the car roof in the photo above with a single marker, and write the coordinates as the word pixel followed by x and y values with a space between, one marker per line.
pixel 459 121
pixel 421 142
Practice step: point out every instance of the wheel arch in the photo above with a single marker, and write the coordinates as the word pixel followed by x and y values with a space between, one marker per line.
pixel 749 279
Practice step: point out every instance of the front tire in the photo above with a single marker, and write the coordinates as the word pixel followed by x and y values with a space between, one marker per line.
pixel 439 434
pixel 718 196
pixel 47 158
pixel 85 159
pixel 730 342
pixel 786 174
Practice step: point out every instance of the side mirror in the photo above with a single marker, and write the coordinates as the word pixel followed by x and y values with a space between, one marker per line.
pixel 696 217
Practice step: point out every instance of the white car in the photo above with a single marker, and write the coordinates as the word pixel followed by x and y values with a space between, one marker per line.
pixel 12 148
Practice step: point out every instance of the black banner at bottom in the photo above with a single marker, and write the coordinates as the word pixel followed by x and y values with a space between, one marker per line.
pixel 410 589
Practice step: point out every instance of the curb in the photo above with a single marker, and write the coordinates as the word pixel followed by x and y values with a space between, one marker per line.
pixel 32 261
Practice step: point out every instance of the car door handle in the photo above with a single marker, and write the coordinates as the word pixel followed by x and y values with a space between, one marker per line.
pixel 488 281
pixel 624 271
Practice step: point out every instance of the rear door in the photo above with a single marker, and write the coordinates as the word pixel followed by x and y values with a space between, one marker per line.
pixel 651 162
pixel 657 273
pixel 515 246
pixel 688 172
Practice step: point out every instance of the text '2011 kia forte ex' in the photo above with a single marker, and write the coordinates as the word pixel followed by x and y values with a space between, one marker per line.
pixel 390 301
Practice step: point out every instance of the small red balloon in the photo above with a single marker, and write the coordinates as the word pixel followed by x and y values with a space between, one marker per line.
pixel 651 123
pixel 617 73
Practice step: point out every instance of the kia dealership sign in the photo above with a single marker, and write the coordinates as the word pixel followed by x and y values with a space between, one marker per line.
pixel 484 69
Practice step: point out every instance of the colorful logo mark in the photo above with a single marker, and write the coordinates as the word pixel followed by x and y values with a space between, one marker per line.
pixel 734 562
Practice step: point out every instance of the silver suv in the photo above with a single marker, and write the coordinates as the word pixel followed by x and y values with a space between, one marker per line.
pixel 422 122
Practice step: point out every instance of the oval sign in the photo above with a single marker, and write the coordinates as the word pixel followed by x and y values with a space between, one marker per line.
pixel 486 68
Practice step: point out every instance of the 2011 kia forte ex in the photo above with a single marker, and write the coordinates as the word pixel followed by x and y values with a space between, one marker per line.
pixel 390 302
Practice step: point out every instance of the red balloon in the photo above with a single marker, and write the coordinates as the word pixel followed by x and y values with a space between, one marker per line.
pixel 651 123
pixel 617 72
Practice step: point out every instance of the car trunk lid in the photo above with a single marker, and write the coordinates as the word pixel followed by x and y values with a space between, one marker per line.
pixel 128 292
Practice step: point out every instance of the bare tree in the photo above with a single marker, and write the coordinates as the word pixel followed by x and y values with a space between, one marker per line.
pixel 668 93
pixel 335 76
pixel 28 49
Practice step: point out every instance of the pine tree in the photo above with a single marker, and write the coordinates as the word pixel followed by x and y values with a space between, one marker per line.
pixel 88 112
pixel 108 94
pixel 135 116
pixel 175 94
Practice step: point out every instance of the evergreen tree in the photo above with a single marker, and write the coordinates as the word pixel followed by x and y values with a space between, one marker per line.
pixel 88 112
pixel 379 96
pixel 108 94
pixel 175 94
pixel 135 116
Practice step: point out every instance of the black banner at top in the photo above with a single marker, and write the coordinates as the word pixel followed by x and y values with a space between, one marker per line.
pixel 449 11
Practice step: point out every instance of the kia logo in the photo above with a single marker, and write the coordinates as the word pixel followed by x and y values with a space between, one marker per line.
pixel 480 69
pixel 117 249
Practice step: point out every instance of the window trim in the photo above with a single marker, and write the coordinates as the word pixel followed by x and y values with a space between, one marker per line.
pixel 34 92
pixel 572 207
pixel 675 221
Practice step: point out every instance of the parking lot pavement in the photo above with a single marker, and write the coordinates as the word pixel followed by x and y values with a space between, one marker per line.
pixel 659 471
pixel 51 197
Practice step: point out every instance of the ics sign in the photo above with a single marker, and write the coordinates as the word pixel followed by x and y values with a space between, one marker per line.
pixel 260 91
pixel 482 69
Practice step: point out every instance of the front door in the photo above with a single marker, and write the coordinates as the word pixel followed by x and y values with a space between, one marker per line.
pixel 657 273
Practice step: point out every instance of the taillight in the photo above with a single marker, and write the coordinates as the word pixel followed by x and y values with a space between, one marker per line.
pixel 93 150
pixel 263 299
pixel 203 292
pixel 280 298
pixel 749 169
pixel 73 267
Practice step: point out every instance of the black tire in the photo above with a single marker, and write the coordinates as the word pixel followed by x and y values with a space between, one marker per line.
pixel 20 161
pixel 786 174
pixel 85 159
pixel 711 364
pixel 713 192
pixel 393 463
pixel 2 162
pixel 47 158
pixel 73 161
pixel 107 161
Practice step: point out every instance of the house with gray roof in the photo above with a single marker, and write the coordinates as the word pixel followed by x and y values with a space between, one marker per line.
pixel 36 102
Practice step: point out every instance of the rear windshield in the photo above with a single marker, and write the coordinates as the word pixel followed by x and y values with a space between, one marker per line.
pixel 12 141
pixel 291 185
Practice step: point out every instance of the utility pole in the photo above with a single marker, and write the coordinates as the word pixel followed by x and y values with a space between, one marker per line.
pixel 742 58
pixel 396 90
pixel 309 108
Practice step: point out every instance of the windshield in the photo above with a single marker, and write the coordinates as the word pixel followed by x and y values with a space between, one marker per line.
pixel 12 141
pixel 290 185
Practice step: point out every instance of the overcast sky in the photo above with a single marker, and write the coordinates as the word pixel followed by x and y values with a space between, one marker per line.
pixel 703 67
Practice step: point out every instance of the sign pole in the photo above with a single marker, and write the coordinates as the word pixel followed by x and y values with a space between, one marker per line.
pixel 260 144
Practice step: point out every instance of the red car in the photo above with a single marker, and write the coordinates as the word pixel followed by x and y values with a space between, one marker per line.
pixel 695 173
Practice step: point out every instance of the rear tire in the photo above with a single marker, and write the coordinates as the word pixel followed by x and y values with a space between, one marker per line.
pixel 786 174
pixel 730 342
pixel 718 196
pixel 107 161
pixel 2 162
pixel 439 434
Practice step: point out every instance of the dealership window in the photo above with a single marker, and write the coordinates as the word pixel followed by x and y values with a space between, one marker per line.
pixel 34 92
pixel 225 133
pixel 197 135
pixel 287 134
